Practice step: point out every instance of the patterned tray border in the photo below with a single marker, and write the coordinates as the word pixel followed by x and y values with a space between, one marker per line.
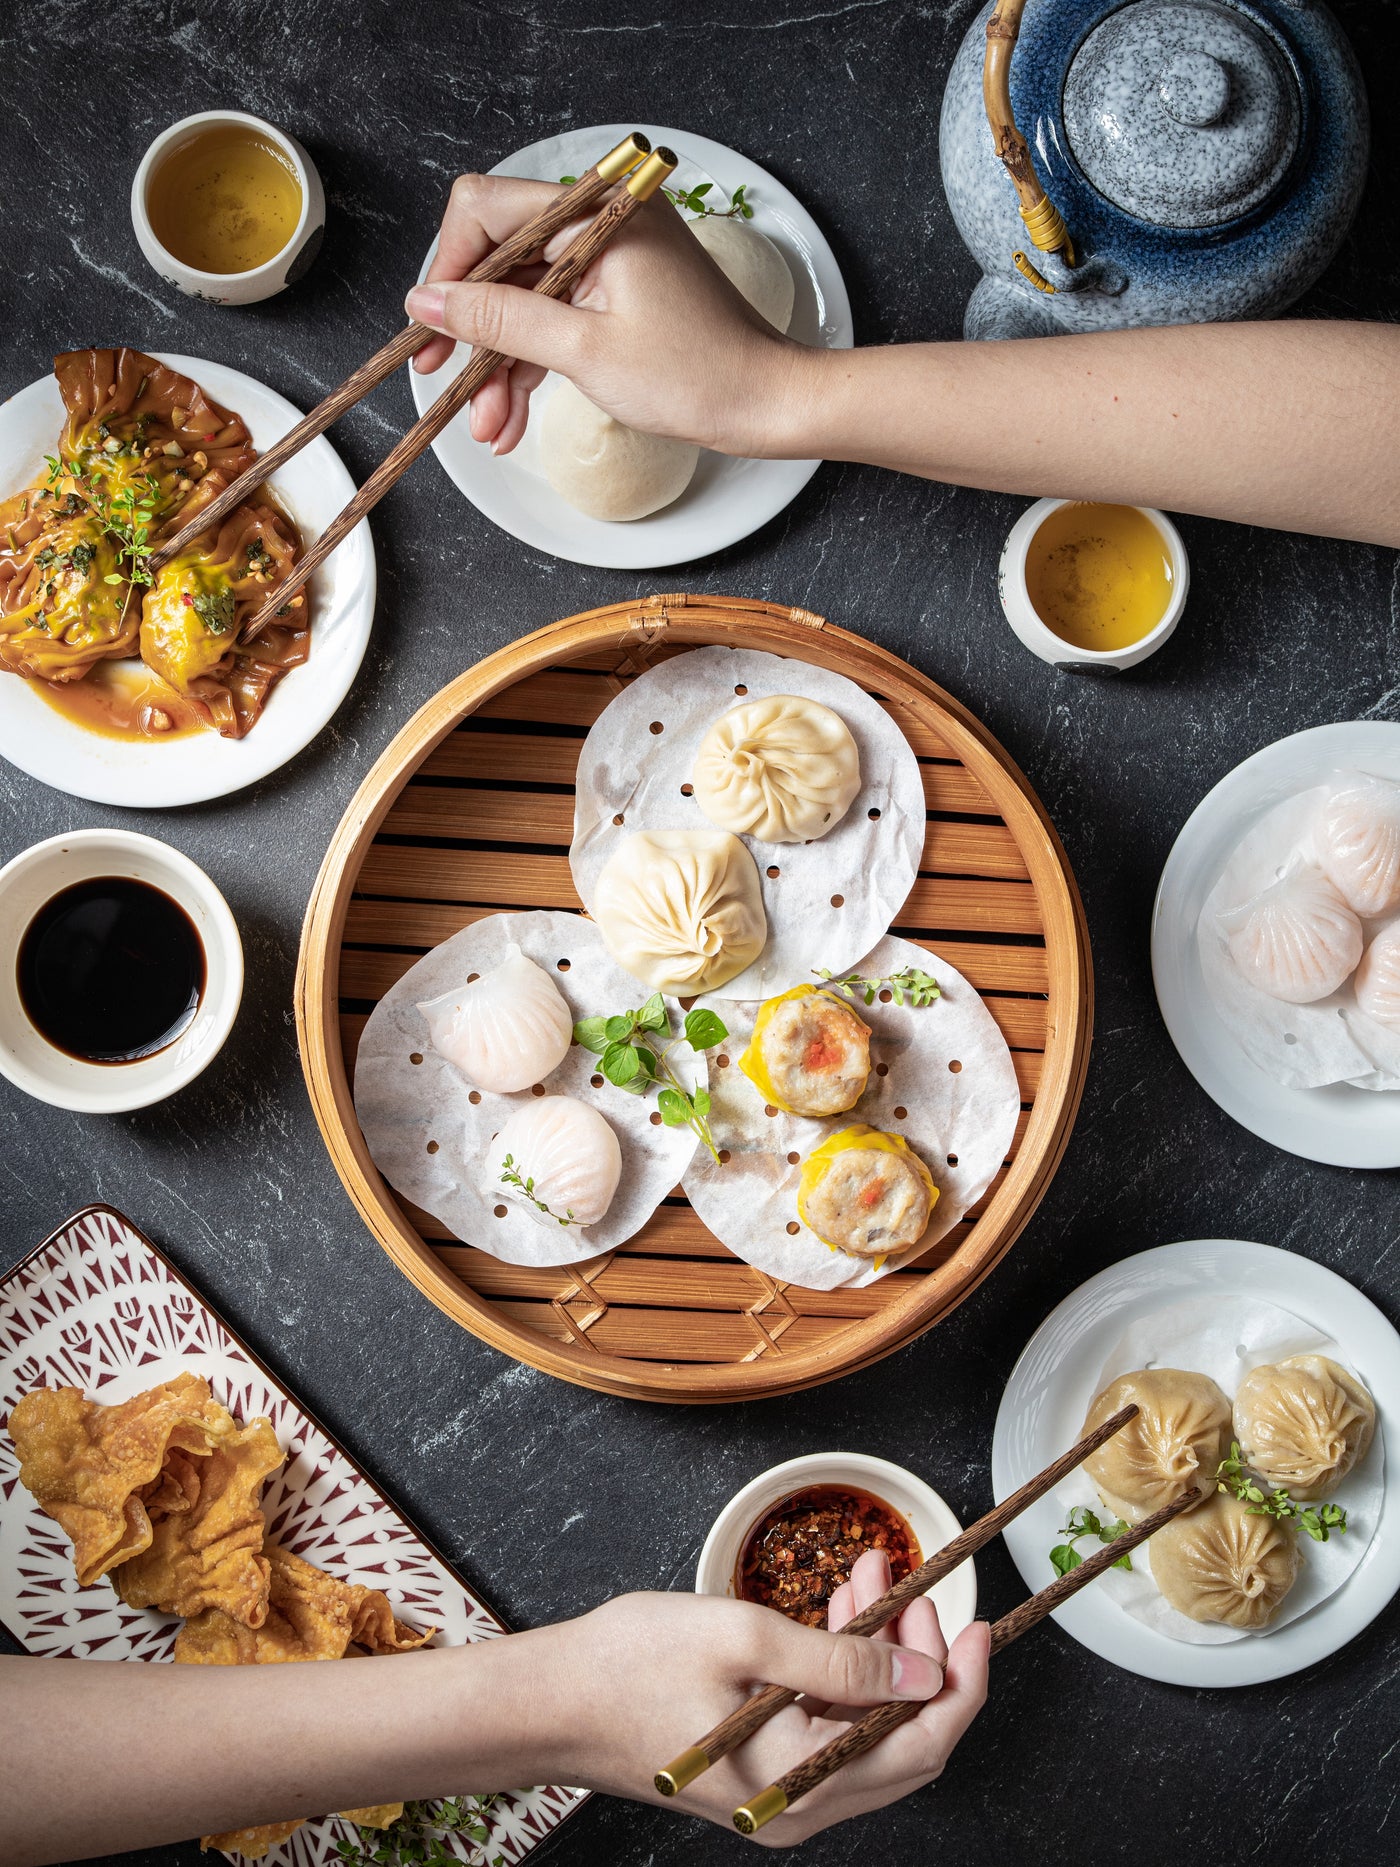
pixel 98 1306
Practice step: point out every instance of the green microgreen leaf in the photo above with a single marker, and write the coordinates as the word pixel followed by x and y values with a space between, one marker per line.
pixel 704 1028
pixel 592 1033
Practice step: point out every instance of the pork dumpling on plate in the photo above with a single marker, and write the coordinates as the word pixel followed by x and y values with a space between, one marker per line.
pixel 1303 1423
pixel 681 909
pixel 602 467
pixel 1377 980
pixel 558 1160
pixel 1358 841
pixel 1223 1564
pixel 752 264
pixel 782 768
pixel 1297 940
pixel 506 1030
pixel 1180 1435
pixel 809 1053
pixel 866 1193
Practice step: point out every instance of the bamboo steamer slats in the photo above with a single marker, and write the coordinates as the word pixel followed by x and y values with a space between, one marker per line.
pixel 470 811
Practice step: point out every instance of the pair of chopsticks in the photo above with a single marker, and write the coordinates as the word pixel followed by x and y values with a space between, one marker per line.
pixel 633 159
pixel 866 1732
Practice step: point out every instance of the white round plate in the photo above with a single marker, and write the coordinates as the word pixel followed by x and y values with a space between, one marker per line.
pixel 728 498
pixel 1042 1412
pixel 1339 1125
pixel 147 775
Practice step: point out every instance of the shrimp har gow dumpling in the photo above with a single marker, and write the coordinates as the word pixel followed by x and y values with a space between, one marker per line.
pixel 1297 940
pixel 1222 1564
pixel 1377 981
pixel 605 469
pixel 1303 1423
pixel 681 909
pixel 1180 1435
pixel 782 769
pixel 504 1031
pixel 752 265
pixel 1358 840
pixel 558 1160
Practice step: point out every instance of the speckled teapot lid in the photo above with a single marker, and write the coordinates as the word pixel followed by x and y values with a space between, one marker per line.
pixel 1182 112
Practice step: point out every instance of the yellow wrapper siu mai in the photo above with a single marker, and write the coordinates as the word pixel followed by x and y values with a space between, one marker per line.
pixel 866 1193
pixel 809 1053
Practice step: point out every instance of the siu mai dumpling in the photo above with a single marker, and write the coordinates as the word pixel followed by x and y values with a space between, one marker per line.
pixel 681 909
pixel 558 1160
pixel 809 1053
pixel 866 1193
pixel 1358 840
pixel 1224 1564
pixel 782 768
pixel 1377 981
pixel 1297 940
pixel 1180 1435
pixel 506 1030
pixel 1303 1423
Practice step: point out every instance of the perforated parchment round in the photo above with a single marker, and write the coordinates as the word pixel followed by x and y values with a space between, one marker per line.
pixel 827 901
pixel 949 1088
pixel 428 1128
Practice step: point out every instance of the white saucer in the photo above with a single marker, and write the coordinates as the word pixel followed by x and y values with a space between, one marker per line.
pixel 1342 1126
pixel 728 498
pixel 1042 1412
pixel 147 775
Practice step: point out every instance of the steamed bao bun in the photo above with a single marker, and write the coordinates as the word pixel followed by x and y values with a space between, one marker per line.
pixel 605 469
pixel 752 265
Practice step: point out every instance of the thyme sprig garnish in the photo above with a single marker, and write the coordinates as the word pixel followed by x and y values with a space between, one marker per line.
pixel 416 1838
pixel 911 986
pixel 631 1062
pixel 692 200
pixel 126 518
pixel 1084 1522
pixel 511 1176
pixel 1318 1521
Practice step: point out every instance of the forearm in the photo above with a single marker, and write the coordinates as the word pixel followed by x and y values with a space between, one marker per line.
pixel 1294 425
pixel 235 1746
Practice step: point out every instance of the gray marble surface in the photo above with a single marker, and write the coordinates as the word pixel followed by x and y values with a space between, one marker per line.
pixel 550 1498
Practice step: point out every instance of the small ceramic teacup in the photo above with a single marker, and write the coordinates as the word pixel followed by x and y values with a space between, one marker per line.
pixel 30 881
pixel 232 288
pixel 931 1520
pixel 1041 639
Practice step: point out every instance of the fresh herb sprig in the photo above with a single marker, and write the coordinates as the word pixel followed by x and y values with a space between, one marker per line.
pixel 631 1061
pixel 1233 1476
pixel 126 519
pixel 1084 1522
pixel 511 1176
pixel 910 986
pixel 416 1838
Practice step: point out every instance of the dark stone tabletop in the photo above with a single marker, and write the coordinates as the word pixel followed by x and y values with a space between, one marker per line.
pixel 548 1497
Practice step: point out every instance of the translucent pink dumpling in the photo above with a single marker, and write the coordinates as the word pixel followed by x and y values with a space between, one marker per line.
pixel 506 1030
pixel 1297 939
pixel 1358 841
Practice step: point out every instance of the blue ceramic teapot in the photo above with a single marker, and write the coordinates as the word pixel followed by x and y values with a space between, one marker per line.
pixel 1159 162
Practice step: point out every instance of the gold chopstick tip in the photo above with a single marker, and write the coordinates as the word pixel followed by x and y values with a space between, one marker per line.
pixel 649 177
pixel 627 156
pixel 679 1774
pixel 759 1810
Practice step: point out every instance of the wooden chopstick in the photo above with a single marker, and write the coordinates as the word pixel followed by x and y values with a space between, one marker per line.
pixel 575 200
pixel 732 1731
pixel 558 282
pixel 866 1732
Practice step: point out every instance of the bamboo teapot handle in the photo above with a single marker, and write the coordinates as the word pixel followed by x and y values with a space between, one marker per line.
pixel 1043 223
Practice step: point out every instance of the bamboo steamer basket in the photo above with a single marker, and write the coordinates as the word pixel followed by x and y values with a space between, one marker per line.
pixel 470 811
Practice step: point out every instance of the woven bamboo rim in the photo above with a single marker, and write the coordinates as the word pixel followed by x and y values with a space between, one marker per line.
pixel 671 1316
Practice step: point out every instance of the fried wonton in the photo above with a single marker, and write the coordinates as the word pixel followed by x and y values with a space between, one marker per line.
pixel 207 1551
pixel 100 1471
pixel 311 1616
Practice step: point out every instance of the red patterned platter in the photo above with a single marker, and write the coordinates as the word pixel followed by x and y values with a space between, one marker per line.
pixel 98 1307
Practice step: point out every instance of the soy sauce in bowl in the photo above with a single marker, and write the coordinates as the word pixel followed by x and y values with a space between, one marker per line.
pixel 111 970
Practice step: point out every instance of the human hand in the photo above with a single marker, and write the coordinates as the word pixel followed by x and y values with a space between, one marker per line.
pixel 655 334
pixel 649 1674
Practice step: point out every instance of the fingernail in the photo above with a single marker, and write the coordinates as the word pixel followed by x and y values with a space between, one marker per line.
pixel 426 304
pixel 914 1675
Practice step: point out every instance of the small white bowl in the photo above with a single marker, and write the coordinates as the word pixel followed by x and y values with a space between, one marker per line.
pixel 1042 640
pixel 233 288
pixel 34 877
pixel 932 1522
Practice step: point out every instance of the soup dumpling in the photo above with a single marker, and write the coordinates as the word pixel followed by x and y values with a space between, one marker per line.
pixel 558 1160
pixel 1225 1565
pixel 866 1193
pixel 751 263
pixel 809 1053
pixel 681 909
pixel 1179 1437
pixel 1303 1423
pixel 602 467
pixel 1297 940
pixel 1358 840
pixel 1377 981
pixel 506 1030
pixel 782 768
